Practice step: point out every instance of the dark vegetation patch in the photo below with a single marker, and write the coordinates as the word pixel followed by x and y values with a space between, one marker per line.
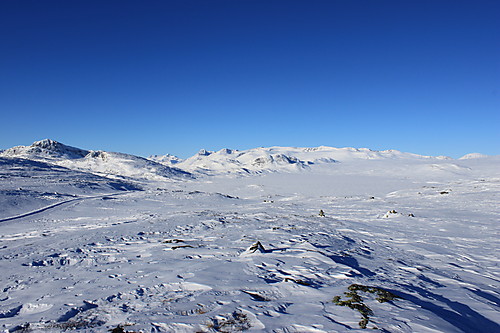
pixel 235 322
pixel 355 301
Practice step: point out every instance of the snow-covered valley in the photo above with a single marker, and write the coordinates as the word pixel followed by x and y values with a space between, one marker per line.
pixel 229 241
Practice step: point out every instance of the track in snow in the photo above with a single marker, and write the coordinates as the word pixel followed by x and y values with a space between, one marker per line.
pixel 43 209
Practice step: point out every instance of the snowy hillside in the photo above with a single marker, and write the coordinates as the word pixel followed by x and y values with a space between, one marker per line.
pixel 28 185
pixel 309 240
pixel 107 164
pixel 124 165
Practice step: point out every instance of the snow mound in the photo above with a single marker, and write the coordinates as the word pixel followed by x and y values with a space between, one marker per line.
pixel 30 308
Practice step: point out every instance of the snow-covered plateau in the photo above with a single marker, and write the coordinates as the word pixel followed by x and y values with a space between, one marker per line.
pixel 273 239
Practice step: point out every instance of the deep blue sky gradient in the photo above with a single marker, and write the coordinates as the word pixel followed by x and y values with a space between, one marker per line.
pixel 155 77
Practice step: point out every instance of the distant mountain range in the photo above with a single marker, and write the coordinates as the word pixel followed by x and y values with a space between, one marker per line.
pixel 282 159
pixel 224 161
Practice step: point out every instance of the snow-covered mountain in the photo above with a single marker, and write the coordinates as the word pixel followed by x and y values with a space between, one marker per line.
pixel 233 162
pixel 45 150
pixel 473 156
pixel 109 164
pixel 281 159
pixel 251 161
pixel 120 164
pixel 167 159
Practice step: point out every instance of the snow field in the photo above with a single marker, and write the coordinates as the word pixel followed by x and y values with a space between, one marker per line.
pixel 177 260
pixel 95 241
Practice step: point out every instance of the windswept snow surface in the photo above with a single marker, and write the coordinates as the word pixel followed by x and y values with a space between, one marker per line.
pixel 222 253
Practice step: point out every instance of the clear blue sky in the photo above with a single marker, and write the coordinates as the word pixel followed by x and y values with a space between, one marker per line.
pixel 156 77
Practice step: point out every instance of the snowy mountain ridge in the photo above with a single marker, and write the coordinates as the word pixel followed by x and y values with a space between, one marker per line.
pixel 167 159
pixel 281 159
pixel 109 164
pixel 205 162
pixel 473 156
